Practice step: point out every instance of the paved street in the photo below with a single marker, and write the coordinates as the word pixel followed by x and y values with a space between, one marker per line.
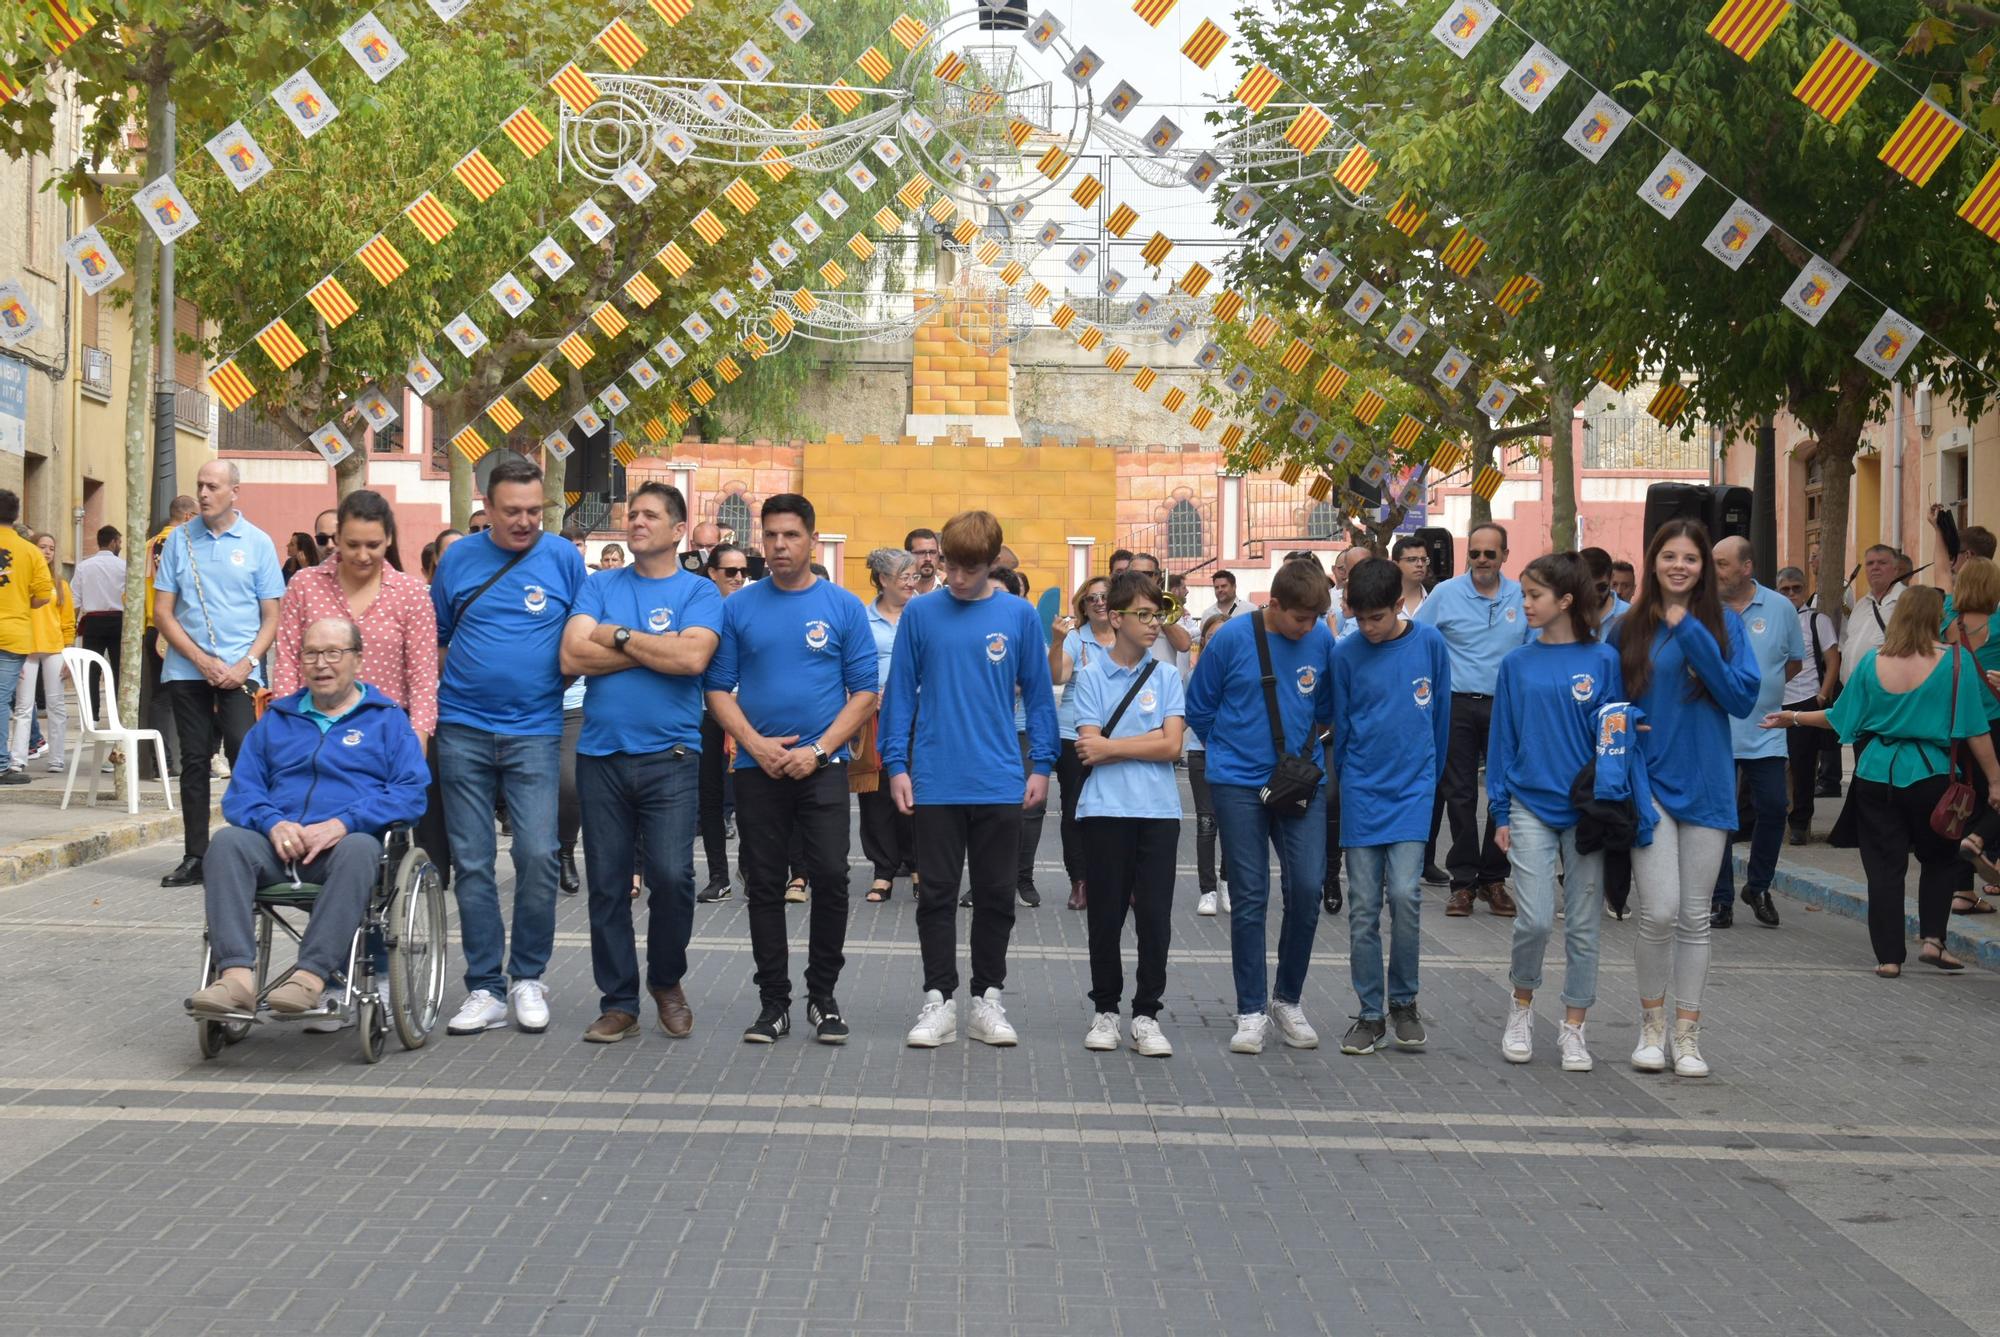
pixel 1838 1175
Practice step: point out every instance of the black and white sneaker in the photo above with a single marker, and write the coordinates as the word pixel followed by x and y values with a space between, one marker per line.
pixel 1364 1036
pixel 823 1015
pixel 1030 897
pixel 1405 1026
pixel 718 889
pixel 965 899
pixel 772 1025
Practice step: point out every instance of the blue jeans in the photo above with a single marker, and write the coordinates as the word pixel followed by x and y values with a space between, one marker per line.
pixel 474 769
pixel 1764 778
pixel 1248 830
pixel 652 800
pixel 1379 874
pixel 10 678
pixel 1532 849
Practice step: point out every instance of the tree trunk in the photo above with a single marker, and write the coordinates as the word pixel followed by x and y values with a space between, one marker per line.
pixel 1562 463
pixel 1838 434
pixel 350 475
pixel 1482 456
pixel 555 507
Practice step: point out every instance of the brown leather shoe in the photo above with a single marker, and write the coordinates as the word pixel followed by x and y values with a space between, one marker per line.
pixel 293 997
pixel 676 1017
pixel 1077 900
pixel 610 1028
pixel 225 997
pixel 1497 900
pixel 1460 903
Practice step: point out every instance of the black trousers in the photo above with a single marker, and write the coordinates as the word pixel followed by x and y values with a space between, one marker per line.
pixel 888 838
pixel 432 833
pixel 156 707
pixel 569 810
pixel 1893 822
pixel 1031 825
pixel 947 834
pixel 1070 774
pixel 1204 822
pixel 1473 860
pixel 1803 747
pixel 1331 880
pixel 101 632
pixel 201 715
pixel 1129 865
pixel 714 771
pixel 774 814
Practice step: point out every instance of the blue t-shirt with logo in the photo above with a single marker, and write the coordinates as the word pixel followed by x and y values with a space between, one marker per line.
pixel 638 710
pixel 1225 699
pixel 1129 788
pixel 502 669
pixel 223 611
pixel 1391 717
pixel 793 657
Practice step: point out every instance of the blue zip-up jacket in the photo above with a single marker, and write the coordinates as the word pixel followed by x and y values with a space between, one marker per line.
pixel 1621 766
pixel 1225 699
pixel 367 769
pixel 1690 760
pixel 1544 730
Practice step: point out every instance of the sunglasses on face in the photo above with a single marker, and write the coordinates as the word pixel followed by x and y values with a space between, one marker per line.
pixel 1094 599
pixel 733 572
pixel 481 529
pixel 1483 554
pixel 324 540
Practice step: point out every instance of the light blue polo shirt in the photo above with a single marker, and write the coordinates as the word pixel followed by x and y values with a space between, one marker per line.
pixel 1775 638
pixel 1129 788
pixel 1082 647
pixel 1478 632
pixel 884 632
pixel 238 569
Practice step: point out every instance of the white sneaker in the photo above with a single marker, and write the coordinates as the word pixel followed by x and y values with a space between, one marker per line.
pixel 1147 1039
pixel 338 1018
pixel 1293 1028
pixel 1575 1053
pixel 530 1000
pixel 1206 905
pixel 937 1022
pixel 219 769
pixel 1224 905
pixel 481 1011
pixel 1517 1042
pixel 1251 1028
pixel 37 751
pixel 1651 1053
pixel 1104 1033
pixel 1688 1061
pixel 58 766
pixel 989 1022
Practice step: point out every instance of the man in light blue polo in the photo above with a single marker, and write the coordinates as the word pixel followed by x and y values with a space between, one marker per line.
pixel 503 598
pixel 216 605
pixel 1479 616
pixel 1761 754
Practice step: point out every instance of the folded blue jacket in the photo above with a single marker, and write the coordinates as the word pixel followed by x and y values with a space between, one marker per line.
pixel 367 769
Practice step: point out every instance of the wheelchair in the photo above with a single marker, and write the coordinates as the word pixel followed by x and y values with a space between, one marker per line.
pixel 406 915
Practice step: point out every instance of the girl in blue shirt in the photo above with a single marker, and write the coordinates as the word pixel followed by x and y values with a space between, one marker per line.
pixel 1129 814
pixel 1688 665
pixel 1544 733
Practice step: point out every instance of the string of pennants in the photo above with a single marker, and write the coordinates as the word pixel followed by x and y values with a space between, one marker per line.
pixel 65 27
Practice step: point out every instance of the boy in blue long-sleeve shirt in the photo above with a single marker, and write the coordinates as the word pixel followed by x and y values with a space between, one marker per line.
pixel 966 650
pixel 1392 711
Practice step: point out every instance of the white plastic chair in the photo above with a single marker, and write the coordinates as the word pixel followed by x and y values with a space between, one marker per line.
pixel 109 733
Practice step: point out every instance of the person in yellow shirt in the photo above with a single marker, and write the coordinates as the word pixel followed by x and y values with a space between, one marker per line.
pixel 54 626
pixel 25 585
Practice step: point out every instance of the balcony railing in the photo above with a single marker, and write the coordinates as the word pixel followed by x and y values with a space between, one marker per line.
pixel 1638 441
pixel 96 373
pixel 192 409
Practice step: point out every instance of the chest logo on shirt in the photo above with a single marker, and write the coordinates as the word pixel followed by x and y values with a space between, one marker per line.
pixel 534 598
pixel 1147 701
pixel 659 620
pixel 1757 626
pixel 1420 691
pixel 996 647
pixel 236 557
pixel 1308 679
pixel 1512 614
pixel 1581 687
pixel 817 635
pixel 352 738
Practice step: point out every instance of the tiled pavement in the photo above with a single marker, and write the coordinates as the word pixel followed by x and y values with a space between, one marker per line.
pixel 1837 1176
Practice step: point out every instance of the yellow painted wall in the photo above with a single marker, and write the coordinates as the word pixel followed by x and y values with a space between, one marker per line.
pixel 1867 505
pixel 876 492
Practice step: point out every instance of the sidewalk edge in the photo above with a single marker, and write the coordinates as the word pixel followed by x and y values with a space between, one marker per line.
pixel 1846 897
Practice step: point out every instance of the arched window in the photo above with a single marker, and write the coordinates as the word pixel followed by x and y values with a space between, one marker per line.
pixel 1323 523
pixel 1183 531
pixel 734 515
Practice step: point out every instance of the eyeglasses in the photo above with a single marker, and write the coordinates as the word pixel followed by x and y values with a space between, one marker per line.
pixel 733 572
pixel 323 539
pixel 480 529
pixel 1095 599
pixel 322 656
pixel 1482 554
pixel 1146 616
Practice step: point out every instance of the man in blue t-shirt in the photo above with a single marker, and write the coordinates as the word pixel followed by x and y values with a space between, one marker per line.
pixel 642 635
pixel 1762 755
pixel 1227 707
pixel 967 650
pixel 501 598
pixel 793 682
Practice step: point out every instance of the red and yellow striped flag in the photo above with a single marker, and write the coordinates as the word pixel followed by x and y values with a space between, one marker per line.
pixel 330 298
pixel 280 344
pixel 1156 251
pixel 1144 381
pixel 914 191
pixel 1369 407
pixel 1517 293
pixel 1297 354
pixel 1201 418
pixel 708 227
pixel 740 195
pixel 642 291
pixel 1307 129
pixel 1462 252
pixel 656 431
pixel 1263 330
pixel 860 247
pixel 1089 340
pixel 874 64
pixel 1446 457
pixel 1205 45
pixel 1834 81
pixel 573 86
pixel 888 219
pixel 469 443
pixel 1062 316
pixel 1088 190
pixel 1408 429
pixel 907 31
pixel 541 381
pixel 527 131
pixel 1487 482
pixel 952 68
pixel 701 391
pixel 625 454
pixel 775 164
pixel 804 302
pixel 1356 170
pixel 1232 436
pixel 1018 131
pixel 1013 273
pixel 381 259
pixel 755 344
pixel 1745 25
pixel 842 95
pixel 1258 88
pixel 833 273
pixel 1921 143
pixel 942 209
pixel 1331 382
pixel 1153 11
pixel 1121 221
pixel 1174 400
pixel 231 386
pixel 572 498
pixel 674 260
pixel 619 42
pixel 781 320
pixel 1613 374
pixel 609 320
pixel 9 88
pixel 477 175
pixel 989 251
pixel 1038 294
pixel 1982 207
pixel 1406 215
pixel 503 414
pixel 671 12
pixel 965 232
pixel 805 125
pixel 1228 305
pixel 1194 279
pixel 68 26
pixel 428 213
pixel 1053 163
pixel 1668 403
pixel 1117 358
pixel 679 413
pixel 576 350
pixel 1321 487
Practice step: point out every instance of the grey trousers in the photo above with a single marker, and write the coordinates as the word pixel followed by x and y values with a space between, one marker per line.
pixel 240 861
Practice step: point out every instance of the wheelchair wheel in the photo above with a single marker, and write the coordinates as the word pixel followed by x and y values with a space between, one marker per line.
pixel 209 1037
pixel 418 950
pixel 374 1028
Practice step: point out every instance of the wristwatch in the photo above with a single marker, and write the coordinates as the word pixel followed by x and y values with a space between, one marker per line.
pixel 621 638
pixel 819 755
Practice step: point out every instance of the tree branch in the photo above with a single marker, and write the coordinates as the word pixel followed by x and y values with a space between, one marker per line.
pixel 1973 16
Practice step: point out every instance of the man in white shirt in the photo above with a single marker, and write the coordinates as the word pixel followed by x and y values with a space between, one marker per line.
pixel 1869 622
pixel 1808 689
pixel 99 586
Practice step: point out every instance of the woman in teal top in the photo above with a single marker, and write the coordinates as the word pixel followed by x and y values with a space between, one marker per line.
pixel 1976 594
pixel 1905 705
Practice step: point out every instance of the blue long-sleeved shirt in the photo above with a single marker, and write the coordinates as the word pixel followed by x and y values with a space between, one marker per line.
pixel 1545 727
pixel 967 657
pixel 1391 705
pixel 1689 760
pixel 1225 699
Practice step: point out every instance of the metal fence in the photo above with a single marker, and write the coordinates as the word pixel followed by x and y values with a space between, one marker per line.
pixel 1639 441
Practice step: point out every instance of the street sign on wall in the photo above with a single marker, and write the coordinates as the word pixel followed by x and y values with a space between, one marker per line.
pixel 13 406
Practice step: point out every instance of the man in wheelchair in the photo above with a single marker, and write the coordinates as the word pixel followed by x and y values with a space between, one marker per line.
pixel 319 779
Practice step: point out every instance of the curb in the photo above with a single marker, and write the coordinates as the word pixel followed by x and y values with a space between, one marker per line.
pixel 1846 897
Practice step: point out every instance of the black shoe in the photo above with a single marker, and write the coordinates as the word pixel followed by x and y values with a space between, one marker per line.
pixel 718 889
pixel 186 874
pixel 1364 1036
pixel 823 1015
pixel 1761 905
pixel 566 874
pixel 1827 791
pixel 1407 1026
pixel 1435 876
pixel 1029 896
pixel 1800 838
pixel 1331 899
pixel 1724 917
pixel 965 899
pixel 17 775
pixel 772 1025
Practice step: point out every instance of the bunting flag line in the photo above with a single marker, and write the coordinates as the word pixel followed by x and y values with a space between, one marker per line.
pixel 1406 215
pixel 1518 292
pixel 1205 44
pixel 331 300
pixel 1122 220
pixel 609 320
pixel 1088 190
pixel 741 196
pixel 1487 482
pixel 1408 429
pixel 527 132
pixel 874 64
pixel 1613 374
pixel 908 31
pixel 382 260
pixel 1667 404
pixel 642 291
pixel 1153 11
pixel 1368 408
pixel 1331 382
pixel 577 350
pixel 674 260
pixel 1258 88
pixel 1297 354
pixel 671 12
pixel 1463 252
pixel 477 175
pixel 1834 81
pixel 621 44
pixel 1919 146
pixel 470 444
pixel 708 227
pixel 541 381
pixel 843 96
pixel 431 218
pixel 1201 418
pixel 1307 129
pixel 231 386
pixel 1356 170
pixel 280 344
pixel 1446 458
pixel 503 414
pixel 68 26
pixel 574 87
pixel 1982 207
pixel 1745 25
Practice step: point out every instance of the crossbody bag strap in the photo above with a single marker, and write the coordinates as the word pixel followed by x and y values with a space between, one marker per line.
pixel 1130 694
pixel 1819 654
pixel 1952 722
pixel 1270 681
pixel 464 606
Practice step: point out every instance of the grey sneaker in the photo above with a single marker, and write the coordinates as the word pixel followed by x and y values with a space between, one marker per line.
pixel 1364 1036
pixel 1407 1025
